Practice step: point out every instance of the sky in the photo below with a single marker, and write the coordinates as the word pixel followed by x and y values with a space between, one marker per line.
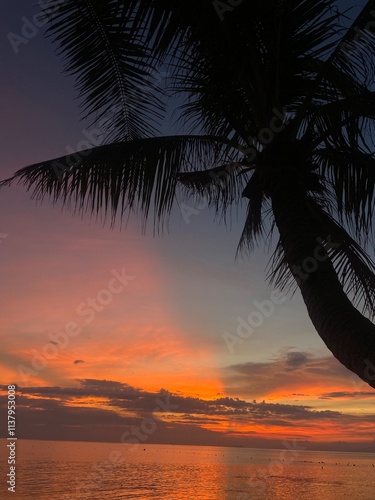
pixel 113 335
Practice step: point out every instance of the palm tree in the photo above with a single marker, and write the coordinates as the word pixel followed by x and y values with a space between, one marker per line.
pixel 279 95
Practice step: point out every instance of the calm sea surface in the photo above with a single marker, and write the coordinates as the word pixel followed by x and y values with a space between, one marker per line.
pixel 95 471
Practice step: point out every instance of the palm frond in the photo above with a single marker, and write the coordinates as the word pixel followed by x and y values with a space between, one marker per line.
pixel 113 69
pixel 353 265
pixel 338 73
pixel 351 173
pixel 344 119
pixel 355 50
pixel 254 227
pixel 220 187
pixel 123 177
pixel 233 72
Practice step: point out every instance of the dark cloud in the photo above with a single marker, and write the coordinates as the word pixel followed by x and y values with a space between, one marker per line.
pixel 347 395
pixel 297 359
pixel 280 423
pixel 125 399
pixel 287 373
pixel 73 413
pixel 78 361
pixel 121 396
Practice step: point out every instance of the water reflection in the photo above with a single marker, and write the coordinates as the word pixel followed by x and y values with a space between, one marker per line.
pixel 93 471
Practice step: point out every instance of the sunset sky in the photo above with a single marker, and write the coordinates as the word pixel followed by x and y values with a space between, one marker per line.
pixel 128 320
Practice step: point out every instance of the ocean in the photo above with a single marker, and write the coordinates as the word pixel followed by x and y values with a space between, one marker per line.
pixel 57 470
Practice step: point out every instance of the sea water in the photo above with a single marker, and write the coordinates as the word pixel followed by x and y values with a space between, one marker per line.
pixel 58 470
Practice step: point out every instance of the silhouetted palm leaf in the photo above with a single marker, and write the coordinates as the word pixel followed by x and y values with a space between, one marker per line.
pixel 123 177
pixel 353 265
pixel 113 68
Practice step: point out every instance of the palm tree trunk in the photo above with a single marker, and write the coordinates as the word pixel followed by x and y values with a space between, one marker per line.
pixel 346 332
